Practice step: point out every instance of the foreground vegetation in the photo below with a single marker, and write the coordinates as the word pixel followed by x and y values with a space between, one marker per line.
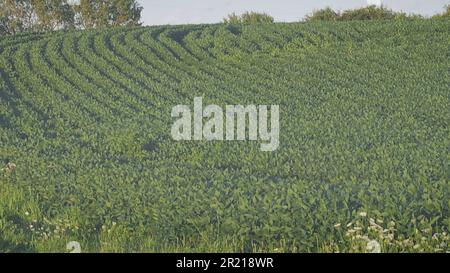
pixel 87 156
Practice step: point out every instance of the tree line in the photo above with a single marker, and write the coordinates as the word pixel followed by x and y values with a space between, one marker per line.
pixel 371 13
pixel 328 14
pixel 46 15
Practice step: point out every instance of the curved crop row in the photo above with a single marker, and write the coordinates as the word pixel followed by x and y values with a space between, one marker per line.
pixel 364 113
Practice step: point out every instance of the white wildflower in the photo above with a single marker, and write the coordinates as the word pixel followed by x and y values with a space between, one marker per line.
pixel 373 247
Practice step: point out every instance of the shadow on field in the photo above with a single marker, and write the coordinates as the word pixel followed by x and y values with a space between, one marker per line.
pixel 11 247
pixel 19 229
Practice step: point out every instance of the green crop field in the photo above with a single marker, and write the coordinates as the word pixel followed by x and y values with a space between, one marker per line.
pixel 86 152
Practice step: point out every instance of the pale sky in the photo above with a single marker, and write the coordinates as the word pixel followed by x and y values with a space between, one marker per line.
pixel 161 12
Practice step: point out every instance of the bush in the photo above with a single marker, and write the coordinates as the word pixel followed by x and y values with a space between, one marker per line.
pixel 361 14
pixel 370 13
pixel 326 14
pixel 248 18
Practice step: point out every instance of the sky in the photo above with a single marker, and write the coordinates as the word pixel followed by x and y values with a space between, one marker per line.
pixel 162 12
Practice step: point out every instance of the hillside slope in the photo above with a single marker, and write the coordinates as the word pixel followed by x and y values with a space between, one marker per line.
pixel 85 118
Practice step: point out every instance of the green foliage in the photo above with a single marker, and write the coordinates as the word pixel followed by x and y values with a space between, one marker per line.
pixel 86 153
pixel 362 14
pixel 104 13
pixel 248 18
pixel 445 14
pixel 326 14
pixel 125 13
pixel 53 14
pixel 49 15
pixel 16 16
pixel 369 13
pixel 3 24
pixel 374 235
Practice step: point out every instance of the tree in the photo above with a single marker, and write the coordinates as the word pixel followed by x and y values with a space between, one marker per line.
pixel 35 15
pixel 326 14
pixel 53 14
pixel 447 11
pixel 16 16
pixel 104 13
pixel 90 13
pixel 366 13
pixel 126 13
pixel 248 18
pixel 444 15
pixel 47 15
pixel 369 13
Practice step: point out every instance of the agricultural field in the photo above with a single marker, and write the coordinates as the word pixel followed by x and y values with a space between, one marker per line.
pixel 86 153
